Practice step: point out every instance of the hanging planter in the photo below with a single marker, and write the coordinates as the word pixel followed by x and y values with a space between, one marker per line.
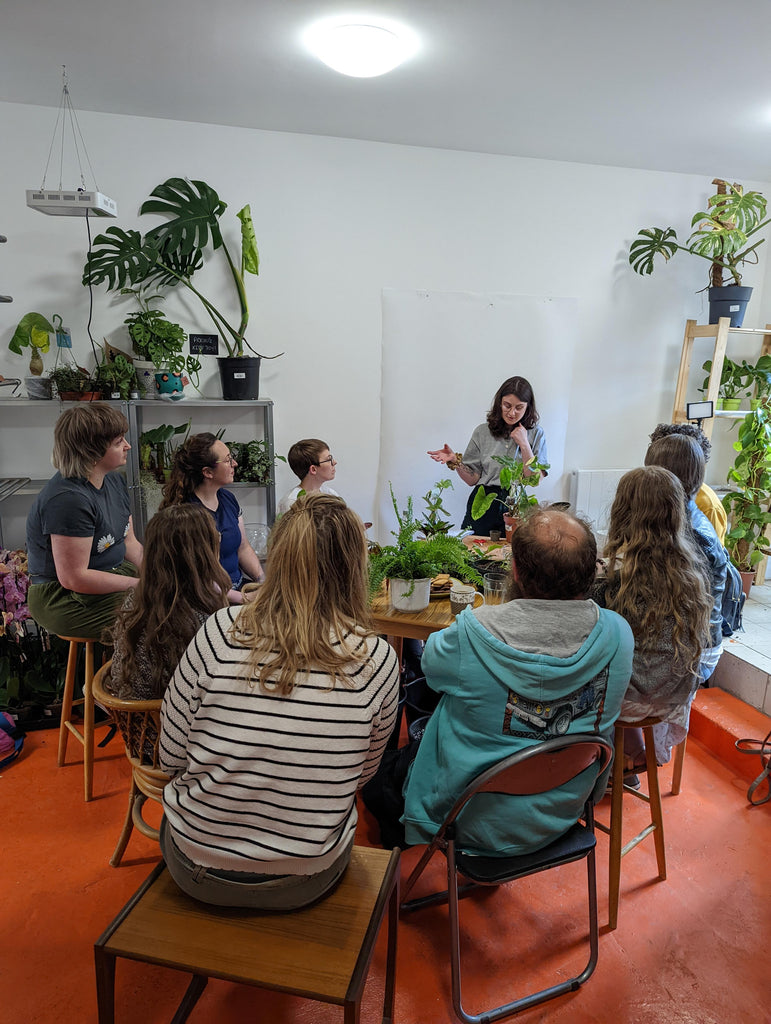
pixel 240 377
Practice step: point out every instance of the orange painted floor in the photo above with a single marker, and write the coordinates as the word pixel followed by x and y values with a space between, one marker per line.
pixel 691 950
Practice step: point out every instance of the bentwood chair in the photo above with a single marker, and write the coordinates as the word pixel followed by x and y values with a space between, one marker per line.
pixel 540 768
pixel 139 722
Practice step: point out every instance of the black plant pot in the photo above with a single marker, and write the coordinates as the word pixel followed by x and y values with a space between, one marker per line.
pixel 730 300
pixel 240 377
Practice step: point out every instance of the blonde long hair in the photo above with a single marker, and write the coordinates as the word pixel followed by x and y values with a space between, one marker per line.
pixel 655 570
pixel 313 609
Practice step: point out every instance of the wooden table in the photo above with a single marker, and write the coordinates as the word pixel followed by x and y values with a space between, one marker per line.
pixel 412 625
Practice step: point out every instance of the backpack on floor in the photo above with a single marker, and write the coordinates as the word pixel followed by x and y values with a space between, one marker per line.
pixel 11 739
pixel 733 600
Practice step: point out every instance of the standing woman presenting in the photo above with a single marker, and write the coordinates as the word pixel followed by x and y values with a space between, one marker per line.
pixel 511 430
pixel 200 473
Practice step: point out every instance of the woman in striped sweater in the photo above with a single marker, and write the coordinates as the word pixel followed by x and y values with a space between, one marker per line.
pixel 278 713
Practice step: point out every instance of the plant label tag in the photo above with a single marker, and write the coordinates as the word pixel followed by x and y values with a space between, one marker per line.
pixel 204 344
pixel 239 376
pixel 734 309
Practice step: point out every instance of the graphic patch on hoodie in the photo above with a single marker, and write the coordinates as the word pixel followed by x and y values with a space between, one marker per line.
pixel 554 717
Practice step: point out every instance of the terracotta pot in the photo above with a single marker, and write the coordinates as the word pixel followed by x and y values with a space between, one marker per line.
pixel 748 578
pixel 512 522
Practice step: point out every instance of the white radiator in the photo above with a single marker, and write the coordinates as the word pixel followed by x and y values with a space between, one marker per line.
pixel 592 492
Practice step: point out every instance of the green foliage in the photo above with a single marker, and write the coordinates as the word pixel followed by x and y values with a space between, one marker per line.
pixel 116 375
pixel 171 253
pixel 759 374
pixel 157 339
pixel 433 521
pixel 517 500
pixel 414 559
pixel 70 378
pixel 255 464
pixel 32 332
pixel 722 235
pixel 157 447
pixel 748 506
pixel 735 379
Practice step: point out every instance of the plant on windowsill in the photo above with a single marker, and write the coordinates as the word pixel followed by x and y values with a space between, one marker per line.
pixel 411 563
pixel 724 235
pixel 172 252
pixel 749 505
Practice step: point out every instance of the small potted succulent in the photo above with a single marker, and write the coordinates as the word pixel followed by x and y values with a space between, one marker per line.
pixel 725 235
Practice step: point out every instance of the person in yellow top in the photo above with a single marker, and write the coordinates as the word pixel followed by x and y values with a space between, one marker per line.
pixel 705 498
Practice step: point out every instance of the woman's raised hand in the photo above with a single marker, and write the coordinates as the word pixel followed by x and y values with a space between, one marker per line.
pixel 519 435
pixel 443 454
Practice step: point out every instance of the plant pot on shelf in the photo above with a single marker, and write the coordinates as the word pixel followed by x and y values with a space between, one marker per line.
pixel 410 595
pixel 145 371
pixel 169 386
pixel 240 377
pixel 730 404
pixel 730 300
pixel 38 387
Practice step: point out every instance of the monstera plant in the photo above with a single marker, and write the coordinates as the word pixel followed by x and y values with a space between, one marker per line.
pixel 170 253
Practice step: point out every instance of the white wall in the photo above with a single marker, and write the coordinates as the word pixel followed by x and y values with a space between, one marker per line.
pixel 337 221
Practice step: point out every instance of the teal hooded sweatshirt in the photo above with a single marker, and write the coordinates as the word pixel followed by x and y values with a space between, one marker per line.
pixel 498 699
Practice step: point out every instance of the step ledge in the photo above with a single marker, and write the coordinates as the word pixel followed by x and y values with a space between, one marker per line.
pixel 718 719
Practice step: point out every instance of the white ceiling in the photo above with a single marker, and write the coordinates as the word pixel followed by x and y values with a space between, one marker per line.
pixel 678 85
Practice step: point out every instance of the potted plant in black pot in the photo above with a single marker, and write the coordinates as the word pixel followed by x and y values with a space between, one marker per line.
pixel 725 235
pixel 170 254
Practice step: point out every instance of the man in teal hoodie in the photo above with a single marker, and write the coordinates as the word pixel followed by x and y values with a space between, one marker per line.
pixel 547 663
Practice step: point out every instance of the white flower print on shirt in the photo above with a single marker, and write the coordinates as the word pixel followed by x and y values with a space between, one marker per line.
pixel 105 542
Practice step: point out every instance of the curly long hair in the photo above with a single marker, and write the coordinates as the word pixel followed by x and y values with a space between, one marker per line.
pixel 522 389
pixel 655 570
pixel 312 611
pixel 188 464
pixel 180 582
pixel 687 430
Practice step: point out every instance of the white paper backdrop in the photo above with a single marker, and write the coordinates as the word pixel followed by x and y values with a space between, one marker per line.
pixel 444 356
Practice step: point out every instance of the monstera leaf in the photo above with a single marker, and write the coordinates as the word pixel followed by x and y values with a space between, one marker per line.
pixel 652 242
pixel 193 209
pixel 121 258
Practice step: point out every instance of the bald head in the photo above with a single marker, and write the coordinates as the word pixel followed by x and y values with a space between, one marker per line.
pixel 554 556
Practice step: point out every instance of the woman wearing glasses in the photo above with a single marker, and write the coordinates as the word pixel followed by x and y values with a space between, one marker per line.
pixel 201 471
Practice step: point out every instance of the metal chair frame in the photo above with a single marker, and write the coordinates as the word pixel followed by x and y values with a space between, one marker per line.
pixel 542 767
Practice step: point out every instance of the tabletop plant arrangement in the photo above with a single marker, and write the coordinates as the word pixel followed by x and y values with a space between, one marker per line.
pixel 411 563
pixel 517 500
pixel 170 254
pixel 749 504
pixel 725 235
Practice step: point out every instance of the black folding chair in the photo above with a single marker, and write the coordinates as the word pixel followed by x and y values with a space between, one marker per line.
pixel 542 767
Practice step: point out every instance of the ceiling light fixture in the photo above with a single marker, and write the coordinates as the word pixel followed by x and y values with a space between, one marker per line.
pixel 361 49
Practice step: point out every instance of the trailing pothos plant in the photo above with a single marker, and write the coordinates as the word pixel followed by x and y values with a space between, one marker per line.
pixel 411 558
pixel 749 505
pixel 172 252
pixel 516 482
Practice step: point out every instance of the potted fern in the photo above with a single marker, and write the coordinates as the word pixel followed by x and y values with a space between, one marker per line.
pixel 411 563
pixel 172 252
pixel 725 235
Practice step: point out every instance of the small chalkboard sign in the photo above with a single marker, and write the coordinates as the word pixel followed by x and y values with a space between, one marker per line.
pixel 204 344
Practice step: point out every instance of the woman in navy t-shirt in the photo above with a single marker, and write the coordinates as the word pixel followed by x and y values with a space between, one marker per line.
pixel 202 469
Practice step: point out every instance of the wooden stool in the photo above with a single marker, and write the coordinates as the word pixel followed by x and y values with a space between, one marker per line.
pixel 653 798
pixel 321 952
pixel 67 726
pixel 677 767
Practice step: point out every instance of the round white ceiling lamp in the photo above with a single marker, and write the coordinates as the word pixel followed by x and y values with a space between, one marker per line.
pixel 361 48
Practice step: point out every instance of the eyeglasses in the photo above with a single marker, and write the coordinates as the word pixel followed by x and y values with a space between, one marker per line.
pixel 229 459
pixel 330 458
